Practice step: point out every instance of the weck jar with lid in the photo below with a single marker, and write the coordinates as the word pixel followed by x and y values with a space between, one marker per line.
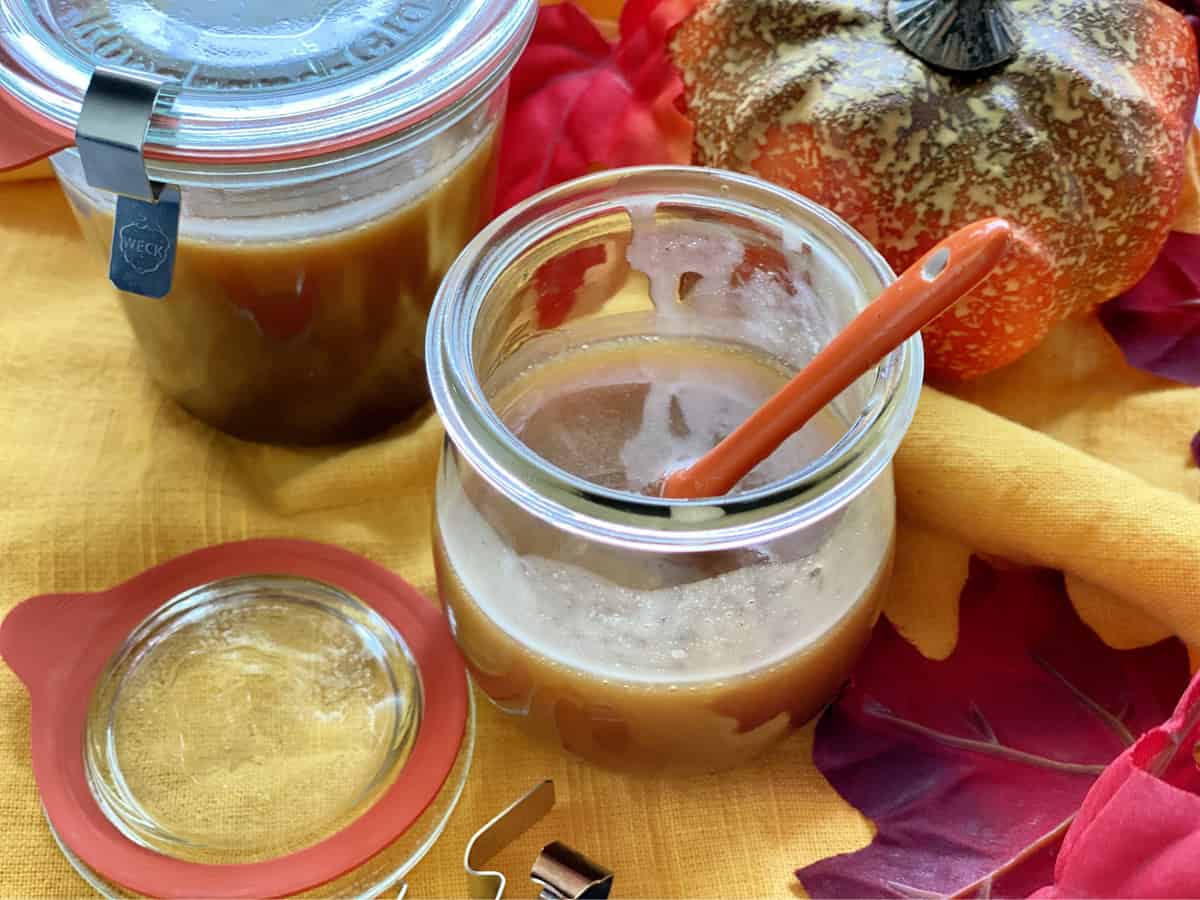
pixel 275 190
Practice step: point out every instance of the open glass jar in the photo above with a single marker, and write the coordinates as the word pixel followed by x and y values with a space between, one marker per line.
pixel 640 632
pixel 277 196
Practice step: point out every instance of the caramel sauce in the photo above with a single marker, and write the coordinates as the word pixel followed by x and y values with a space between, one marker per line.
pixel 692 662
pixel 312 340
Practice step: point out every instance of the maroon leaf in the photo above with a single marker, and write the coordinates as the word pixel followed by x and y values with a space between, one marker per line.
pixel 1196 448
pixel 972 768
pixel 1157 322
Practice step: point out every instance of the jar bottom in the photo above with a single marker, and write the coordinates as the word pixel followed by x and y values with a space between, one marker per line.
pixel 362 424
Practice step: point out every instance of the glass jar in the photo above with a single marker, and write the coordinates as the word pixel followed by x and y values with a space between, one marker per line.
pixel 639 632
pixel 330 166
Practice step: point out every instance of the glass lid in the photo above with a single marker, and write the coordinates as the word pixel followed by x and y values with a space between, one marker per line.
pixel 250 718
pixel 262 78
pixel 257 719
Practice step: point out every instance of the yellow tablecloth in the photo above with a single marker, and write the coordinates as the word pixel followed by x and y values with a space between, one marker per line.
pixel 102 477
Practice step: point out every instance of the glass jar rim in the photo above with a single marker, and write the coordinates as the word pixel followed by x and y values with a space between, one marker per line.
pixel 468 48
pixel 569 502
pixel 265 174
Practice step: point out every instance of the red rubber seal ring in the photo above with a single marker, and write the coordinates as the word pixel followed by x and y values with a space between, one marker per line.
pixel 59 645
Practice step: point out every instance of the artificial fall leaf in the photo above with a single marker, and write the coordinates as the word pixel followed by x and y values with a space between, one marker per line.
pixel 280 319
pixel 973 767
pixel 1138 831
pixel 578 103
pixel 1157 322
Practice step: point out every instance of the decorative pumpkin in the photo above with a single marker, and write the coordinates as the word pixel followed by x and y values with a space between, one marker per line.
pixel 1077 136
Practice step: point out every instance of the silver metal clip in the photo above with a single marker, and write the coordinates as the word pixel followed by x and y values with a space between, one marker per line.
pixel 111 136
pixel 559 871
pixel 564 873
pixel 506 827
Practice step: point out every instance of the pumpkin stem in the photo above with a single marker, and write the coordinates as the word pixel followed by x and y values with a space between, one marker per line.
pixel 958 35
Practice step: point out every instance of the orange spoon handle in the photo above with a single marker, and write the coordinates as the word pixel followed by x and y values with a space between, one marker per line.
pixel 925 290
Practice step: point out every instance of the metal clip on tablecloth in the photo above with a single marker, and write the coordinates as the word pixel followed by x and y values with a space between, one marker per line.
pixel 566 874
pixel 561 872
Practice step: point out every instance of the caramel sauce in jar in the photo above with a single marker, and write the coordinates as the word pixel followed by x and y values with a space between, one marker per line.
pixel 692 661
pixel 314 333
pixel 608 332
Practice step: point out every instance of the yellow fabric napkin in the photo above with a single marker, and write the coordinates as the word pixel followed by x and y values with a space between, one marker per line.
pixel 1068 458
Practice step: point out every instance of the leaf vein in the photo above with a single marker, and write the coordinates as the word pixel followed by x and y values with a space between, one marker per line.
pixel 1114 724
pixel 983 747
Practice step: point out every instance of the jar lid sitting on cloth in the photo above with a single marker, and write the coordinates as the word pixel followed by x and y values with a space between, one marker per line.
pixel 255 719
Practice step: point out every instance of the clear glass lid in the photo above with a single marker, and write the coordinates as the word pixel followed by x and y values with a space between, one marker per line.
pixel 264 718
pixel 250 718
pixel 263 77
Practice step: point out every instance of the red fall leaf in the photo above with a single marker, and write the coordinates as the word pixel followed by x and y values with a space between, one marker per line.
pixel 578 103
pixel 559 279
pixel 1137 834
pixel 1157 322
pixel 972 768
pixel 282 317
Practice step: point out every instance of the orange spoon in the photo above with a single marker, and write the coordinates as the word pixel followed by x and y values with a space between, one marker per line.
pixel 925 290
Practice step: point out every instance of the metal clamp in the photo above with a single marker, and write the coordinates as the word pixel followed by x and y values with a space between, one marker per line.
pixel 111 136
pixel 111 132
pixel 566 874
pixel 498 834
pixel 560 872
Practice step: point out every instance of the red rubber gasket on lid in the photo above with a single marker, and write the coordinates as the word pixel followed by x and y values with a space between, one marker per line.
pixel 60 644
pixel 28 137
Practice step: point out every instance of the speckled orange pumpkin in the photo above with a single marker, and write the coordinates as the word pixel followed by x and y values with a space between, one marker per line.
pixel 1078 139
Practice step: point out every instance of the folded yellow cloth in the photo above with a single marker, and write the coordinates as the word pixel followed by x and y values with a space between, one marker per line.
pixel 1068 458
